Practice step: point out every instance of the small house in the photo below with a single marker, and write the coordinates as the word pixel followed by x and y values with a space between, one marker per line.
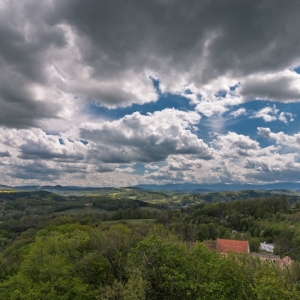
pixel 225 246
pixel 266 247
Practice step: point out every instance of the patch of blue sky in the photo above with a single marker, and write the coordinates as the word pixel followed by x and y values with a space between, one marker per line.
pixel 166 100
pixel 297 70
pixel 247 125
pixel 139 168
pixel 84 142
pixel 221 94
pixel 205 130
pixel 233 88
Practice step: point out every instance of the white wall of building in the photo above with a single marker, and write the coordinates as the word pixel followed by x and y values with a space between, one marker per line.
pixel 267 247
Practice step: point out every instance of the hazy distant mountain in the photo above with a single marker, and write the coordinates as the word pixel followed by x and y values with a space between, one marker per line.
pixel 189 187
pixel 3 186
pixel 221 187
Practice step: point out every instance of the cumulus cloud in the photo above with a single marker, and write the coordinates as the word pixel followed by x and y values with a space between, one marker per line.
pixel 191 169
pixel 56 57
pixel 281 86
pixel 182 168
pixel 283 117
pixel 276 168
pixel 145 138
pixel 46 171
pixel 33 154
pixel 102 147
pixel 235 145
pixel 38 171
pixel 280 137
pixel 275 163
pixel 270 114
pixel 35 145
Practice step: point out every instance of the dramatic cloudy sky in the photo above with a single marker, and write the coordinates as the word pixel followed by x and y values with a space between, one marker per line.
pixel 114 92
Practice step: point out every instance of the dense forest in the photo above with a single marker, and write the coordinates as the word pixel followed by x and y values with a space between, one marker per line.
pixel 270 220
pixel 122 248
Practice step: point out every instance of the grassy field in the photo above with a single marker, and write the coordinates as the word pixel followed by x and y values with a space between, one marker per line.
pixel 8 191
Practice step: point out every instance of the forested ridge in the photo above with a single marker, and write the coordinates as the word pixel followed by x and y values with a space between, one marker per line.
pixel 53 256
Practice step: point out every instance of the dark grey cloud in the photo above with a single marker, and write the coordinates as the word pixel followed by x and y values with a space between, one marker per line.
pixel 96 49
pixel 233 36
pixel 283 88
pixel 5 154
pixel 104 168
pixel 257 165
pixel 24 55
pixel 250 35
pixel 143 150
pixel 37 151
pixel 40 170
pixel 19 111
pixel 36 171
pixel 275 176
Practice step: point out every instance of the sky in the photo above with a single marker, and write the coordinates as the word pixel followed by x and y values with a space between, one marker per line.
pixel 119 93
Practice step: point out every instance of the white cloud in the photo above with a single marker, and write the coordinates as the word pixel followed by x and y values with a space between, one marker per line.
pixel 268 114
pixel 152 166
pixel 125 170
pixel 278 167
pixel 235 145
pixel 147 138
pixel 239 112
pixel 281 138
pixel 283 117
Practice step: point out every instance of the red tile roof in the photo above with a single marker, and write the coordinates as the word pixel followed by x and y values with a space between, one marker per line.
pixel 225 246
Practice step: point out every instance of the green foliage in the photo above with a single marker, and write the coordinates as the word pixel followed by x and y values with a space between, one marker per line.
pixel 254 244
pixel 270 284
pixel 43 256
pixel 74 261
pixel 174 271
pixel 47 270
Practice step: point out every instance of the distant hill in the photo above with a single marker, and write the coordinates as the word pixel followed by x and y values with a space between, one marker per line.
pixel 221 187
pixel 67 190
pixel 288 188
pixel 228 196
pixel 3 186
pixel 31 195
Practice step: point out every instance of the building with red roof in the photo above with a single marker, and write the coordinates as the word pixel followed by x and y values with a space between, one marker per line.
pixel 225 246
